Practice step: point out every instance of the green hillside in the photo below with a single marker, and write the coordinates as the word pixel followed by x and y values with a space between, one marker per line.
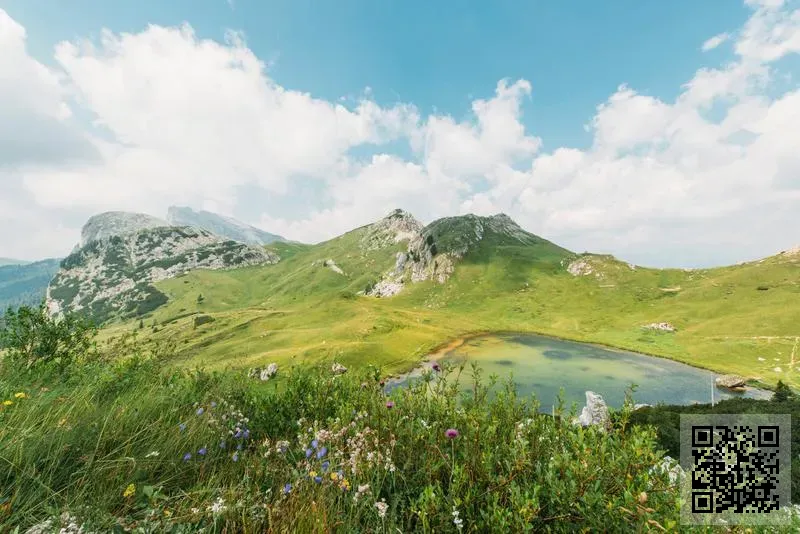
pixel 743 319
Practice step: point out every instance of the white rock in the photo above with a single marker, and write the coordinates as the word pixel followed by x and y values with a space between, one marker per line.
pixel 664 327
pixel 338 368
pixel 595 412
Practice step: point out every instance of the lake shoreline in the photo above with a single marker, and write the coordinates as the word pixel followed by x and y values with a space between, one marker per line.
pixel 442 350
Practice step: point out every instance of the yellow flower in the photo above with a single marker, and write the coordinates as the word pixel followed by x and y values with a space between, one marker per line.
pixel 8 402
pixel 167 513
pixel 334 476
pixel 312 474
pixel 21 395
pixel 130 490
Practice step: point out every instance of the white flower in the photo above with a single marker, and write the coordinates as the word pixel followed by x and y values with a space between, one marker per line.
pixel 457 521
pixel 382 508
pixel 151 454
pixel 218 506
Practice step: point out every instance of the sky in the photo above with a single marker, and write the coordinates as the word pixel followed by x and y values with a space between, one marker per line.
pixel 664 133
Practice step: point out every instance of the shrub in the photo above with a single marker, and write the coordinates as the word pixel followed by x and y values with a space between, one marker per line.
pixel 31 337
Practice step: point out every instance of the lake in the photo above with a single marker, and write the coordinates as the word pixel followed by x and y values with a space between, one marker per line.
pixel 541 365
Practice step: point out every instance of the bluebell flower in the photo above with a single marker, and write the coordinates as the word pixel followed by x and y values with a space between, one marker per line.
pixel 182 427
pixel 235 457
pixel 309 452
pixel 246 434
pixel 202 451
pixel 322 452
pixel 200 411
pixel 315 444
pixel 287 488
pixel 318 479
pixel 325 465
pixel 238 434
pixel 239 447
pixel 187 457
pixel 221 444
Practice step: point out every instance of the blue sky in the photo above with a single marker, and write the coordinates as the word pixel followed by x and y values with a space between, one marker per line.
pixel 438 55
pixel 663 132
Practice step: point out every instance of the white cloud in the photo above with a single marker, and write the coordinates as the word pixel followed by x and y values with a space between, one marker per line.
pixel 180 120
pixel 715 41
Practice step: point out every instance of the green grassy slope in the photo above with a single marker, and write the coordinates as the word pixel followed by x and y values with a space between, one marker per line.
pixel 743 319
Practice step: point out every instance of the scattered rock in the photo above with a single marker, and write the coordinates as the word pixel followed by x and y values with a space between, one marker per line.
pixel 338 369
pixel 671 467
pixel 730 381
pixel 330 264
pixel 663 327
pixel 640 406
pixel 595 413
pixel 263 374
pixel 580 268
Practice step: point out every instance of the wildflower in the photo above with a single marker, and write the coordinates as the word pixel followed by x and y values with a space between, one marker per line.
pixel 187 457
pixel 312 474
pixel 345 484
pixel 322 452
pixel 238 446
pixel 287 488
pixel 309 452
pixel 200 411
pixel 382 508
pixel 325 465
pixel 246 434
pixel 20 395
pixel 436 367
pixel 213 404
pixel 8 402
pixel 318 479
pixel 202 451
pixel 235 457
pixel 151 454
pixel 167 513
pixel 130 490
pixel 389 404
pixel 457 521
pixel 361 490
pixel 222 444
pixel 334 476
pixel 315 444
pixel 451 433
pixel 182 427
pixel 282 446
pixel 217 507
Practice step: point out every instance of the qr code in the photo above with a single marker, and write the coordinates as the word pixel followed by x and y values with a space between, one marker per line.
pixel 737 466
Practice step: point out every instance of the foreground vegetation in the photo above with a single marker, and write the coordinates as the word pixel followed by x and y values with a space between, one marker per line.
pixel 104 438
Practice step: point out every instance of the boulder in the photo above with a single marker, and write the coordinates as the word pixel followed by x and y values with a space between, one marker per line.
pixel 663 327
pixel 640 406
pixel 595 413
pixel 338 369
pixel 730 381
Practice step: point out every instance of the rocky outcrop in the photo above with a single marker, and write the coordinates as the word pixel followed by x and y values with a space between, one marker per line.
pixel 225 227
pixel 112 275
pixel 595 413
pixel 265 373
pixel 730 381
pixel 395 228
pixel 662 327
pixel 434 251
pixel 330 264
pixel 117 223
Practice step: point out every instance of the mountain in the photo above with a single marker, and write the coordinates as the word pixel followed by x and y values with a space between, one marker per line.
pixel 220 225
pixel 11 261
pixel 25 284
pixel 122 254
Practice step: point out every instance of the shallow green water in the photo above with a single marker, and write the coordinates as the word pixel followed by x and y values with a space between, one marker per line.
pixel 541 365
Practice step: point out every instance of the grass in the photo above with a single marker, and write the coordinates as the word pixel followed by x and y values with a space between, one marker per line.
pixel 119 444
pixel 301 311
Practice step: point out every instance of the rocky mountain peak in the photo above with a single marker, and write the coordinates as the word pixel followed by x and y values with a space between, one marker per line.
pixel 396 227
pixel 117 223
pixel 223 226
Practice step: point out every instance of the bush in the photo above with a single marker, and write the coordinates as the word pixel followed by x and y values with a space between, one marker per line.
pixel 31 337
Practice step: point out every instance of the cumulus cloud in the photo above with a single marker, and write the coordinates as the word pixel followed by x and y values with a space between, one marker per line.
pixel 180 120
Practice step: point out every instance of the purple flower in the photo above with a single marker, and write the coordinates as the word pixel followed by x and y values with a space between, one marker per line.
pixel 182 427
pixel 436 367
pixel 221 444
pixel 246 434
pixel 238 446
pixel 287 488
pixel 315 444
pixel 213 404
pixel 235 457
pixel 325 465
pixel 238 434
pixel 309 452
pixel 187 457
pixel 389 404
pixel 451 433
pixel 202 451
pixel 322 452
pixel 318 479
pixel 200 411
